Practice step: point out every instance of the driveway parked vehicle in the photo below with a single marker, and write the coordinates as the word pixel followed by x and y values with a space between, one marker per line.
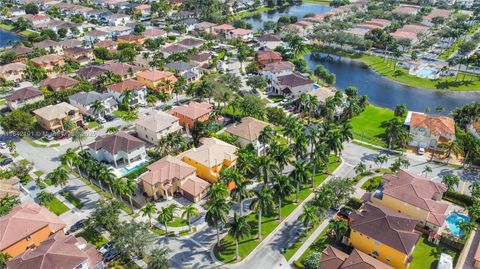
pixel 6 161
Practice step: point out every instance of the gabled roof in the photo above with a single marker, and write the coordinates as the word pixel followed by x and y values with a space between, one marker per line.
pixel 437 125
pixel 294 80
pixel 128 84
pixel 332 258
pixel 157 75
pixel 25 220
pixel 181 66
pixel 157 121
pixel 114 143
pixel 211 153
pixel 249 128
pixel 24 94
pixel 386 226
pixel 269 55
pixel 153 32
pixel 52 112
pixel 194 185
pixel 46 59
pixel 91 72
pixel 87 98
pixel 167 169
pixel 13 67
pixel 59 82
pixel 192 110
pixel 361 260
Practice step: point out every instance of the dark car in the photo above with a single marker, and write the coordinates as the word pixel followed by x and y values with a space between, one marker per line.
pixel 344 212
pixel 106 248
pixel 6 161
pixel 63 136
pixel 76 226
pixel 109 117
pixel 111 255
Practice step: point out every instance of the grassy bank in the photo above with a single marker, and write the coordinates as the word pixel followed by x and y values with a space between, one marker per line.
pixel 368 125
pixel 320 2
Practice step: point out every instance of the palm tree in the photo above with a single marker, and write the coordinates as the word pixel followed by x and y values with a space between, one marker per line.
pixel 147 211
pixel 300 174
pixel 78 135
pixel 333 139
pixel 4 257
pixel 339 228
pixel 158 259
pixel 380 160
pixel 282 187
pixel 308 217
pixel 165 216
pixel 238 228
pixel 467 226
pixel 451 147
pixel 396 134
pixel 45 197
pixel 240 192
pixel 427 169
pixel 130 189
pixel 262 203
pixel 450 181
pixel 281 154
pixel 105 175
pixel 218 191
pixel 189 211
pixel 179 86
pixel 98 107
pixel 475 189
pixel 291 128
pixel 11 146
pixel 118 186
pixel 296 45
pixel 217 212
pixel 267 135
pixel 58 176
pixel 126 97
pixel 267 168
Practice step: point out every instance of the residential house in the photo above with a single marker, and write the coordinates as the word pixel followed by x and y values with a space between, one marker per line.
pixel 115 31
pixel 272 71
pixel 292 85
pixel 333 258
pixel 385 234
pixel 96 35
pixel 190 113
pixel 144 10
pixel 13 72
pixel 11 187
pixel 130 38
pixel 79 54
pixel 91 73
pixel 187 70
pixel 189 24
pixel 157 80
pixel 123 70
pixel 269 41
pixel 173 49
pixel 21 52
pixel 108 44
pixel 209 158
pixel 36 20
pixel 268 57
pixel 190 43
pixel 16 12
pixel 429 131
pixel 406 9
pixel 50 46
pixel 60 251
pixel 154 33
pixel 48 62
pixel 182 15
pixel 248 132
pixel 204 26
pixel 474 128
pixel 84 101
pixel 201 59
pixel 170 175
pixel 53 117
pixel 23 96
pixel 59 83
pixel 414 196
pixel 25 226
pixel 243 34
pixel 222 29
pixel 118 19
pixel 71 43
pixel 117 149
pixel 155 125
pixel 139 90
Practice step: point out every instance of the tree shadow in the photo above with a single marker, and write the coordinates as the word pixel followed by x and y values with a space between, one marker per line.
pixel 447 84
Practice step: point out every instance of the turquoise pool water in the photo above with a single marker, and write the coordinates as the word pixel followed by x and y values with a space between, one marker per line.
pixel 453 221
pixel 125 171
pixel 425 73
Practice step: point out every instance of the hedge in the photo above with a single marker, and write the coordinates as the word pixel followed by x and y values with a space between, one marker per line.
pixel 458 198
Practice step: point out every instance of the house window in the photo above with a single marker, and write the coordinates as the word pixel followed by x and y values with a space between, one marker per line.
pixel 375 253
pixel 376 243
pixel 389 259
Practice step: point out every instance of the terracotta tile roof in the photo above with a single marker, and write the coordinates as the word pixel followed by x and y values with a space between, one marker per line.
pixel 269 55
pixel 70 43
pixel 269 38
pixel 59 82
pixel 52 112
pixel 45 44
pixel 211 153
pixel 153 33
pixel 157 75
pixel 294 80
pixel 437 125
pixel 10 187
pixel 157 121
pixel 194 185
pixel 332 258
pixel 193 110
pixel 249 128
pixel 386 226
pixel 130 38
pixel 121 69
pixel 225 27
pixel 361 260
pixel 200 57
pixel 417 191
pixel 167 169
pixel 279 66
pixel 59 251
pixel 128 84
pixel 24 94
pixel 13 67
pixel 21 50
pixel 114 143
pixel 25 220
pixel 190 42
pixel 106 44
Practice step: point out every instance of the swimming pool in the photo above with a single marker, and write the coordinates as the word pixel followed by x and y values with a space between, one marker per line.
pixel 125 170
pixel 425 73
pixel 453 221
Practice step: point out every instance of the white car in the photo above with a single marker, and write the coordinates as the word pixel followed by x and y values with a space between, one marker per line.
pixel 101 120
pixel 3 145
pixel 421 150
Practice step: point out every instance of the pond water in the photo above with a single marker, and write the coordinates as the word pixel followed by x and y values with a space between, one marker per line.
pixel 388 93
pixel 299 11
pixel 6 37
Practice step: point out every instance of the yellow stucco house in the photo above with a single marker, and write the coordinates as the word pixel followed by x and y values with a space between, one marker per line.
pixel 386 235
pixel 414 196
pixel 210 158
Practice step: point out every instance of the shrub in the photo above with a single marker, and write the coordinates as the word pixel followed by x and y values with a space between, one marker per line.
pixel 298 264
pixel 458 198
pixel 355 203
pixel 312 261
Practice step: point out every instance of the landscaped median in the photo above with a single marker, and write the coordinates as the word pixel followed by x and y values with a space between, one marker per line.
pixel 226 252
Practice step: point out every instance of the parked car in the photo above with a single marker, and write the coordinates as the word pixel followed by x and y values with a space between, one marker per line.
pixel 421 150
pixel 111 255
pixel 109 117
pixel 63 136
pixel 76 226
pixel 344 212
pixel 3 145
pixel 101 120
pixel 6 161
pixel 106 248
pixel 48 137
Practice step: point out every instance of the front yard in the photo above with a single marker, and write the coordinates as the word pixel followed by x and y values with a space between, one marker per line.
pixel 372 183
pixel 426 254
pixel 56 206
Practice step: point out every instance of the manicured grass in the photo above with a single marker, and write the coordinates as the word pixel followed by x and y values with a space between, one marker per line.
pixel 93 237
pixel 24 162
pixel 368 125
pixel 33 143
pixel 72 199
pixel 3 101
pixel 38 173
pixel 177 222
pixel 119 113
pixel 48 181
pixel 426 254
pixel 56 206
pixel 450 50
pixel 92 124
pixel 320 2
pixel 372 183
pixel 6 27
pixel 249 13
pixel 321 243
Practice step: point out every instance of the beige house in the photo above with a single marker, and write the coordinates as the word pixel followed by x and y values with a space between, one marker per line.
pixel 48 61
pixel 155 125
pixel 170 175
pixel 429 131
pixel 248 131
pixel 53 117
pixel 23 96
pixel 13 72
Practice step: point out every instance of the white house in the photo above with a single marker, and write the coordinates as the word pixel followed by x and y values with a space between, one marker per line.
pixel 292 85
pixel 248 132
pixel 429 131
pixel 139 91
pixel 277 69
pixel 155 125
pixel 84 101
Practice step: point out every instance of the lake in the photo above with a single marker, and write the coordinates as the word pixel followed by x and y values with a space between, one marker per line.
pixel 299 11
pixel 388 93
pixel 6 37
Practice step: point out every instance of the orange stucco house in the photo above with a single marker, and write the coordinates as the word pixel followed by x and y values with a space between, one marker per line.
pixel 192 112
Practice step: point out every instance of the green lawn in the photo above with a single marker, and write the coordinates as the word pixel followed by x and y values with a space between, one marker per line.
pixel 33 143
pixel 24 162
pixel 372 183
pixel 226 253
pixel 426 254
pixel 6 27
pixel 48 181
pixel 72 199
pixel 321 243
pixel 38 173
pixel 177 222
pixel 93 237
pixel 92 124
pixel 320 2
pixel 56 206
pixel 367 125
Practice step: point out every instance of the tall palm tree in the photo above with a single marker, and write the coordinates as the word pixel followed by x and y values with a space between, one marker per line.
pixel 179 87
pixel 189 211
pixel 339 228
pixel 147 211
pixel 58 176
pixel 299 148
pixel 267 135
pixel 217 212
pixel 78 135
pixel 130 189
pixel 267 168
pixel 261 204
pixel 98 107
pixel 333 140
pixel 308 217
pixel 450 181
pixel 475 189
pixel 238 228
pixel 165 216
pixel 281 154
pixel 300 174
pixel 218 191
pixel 106 175
pixel 282 187
pixel 158 259
pixel 118 186
pixel 451 147
pixel 240 192
pixel 126 97
pixel 291 128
